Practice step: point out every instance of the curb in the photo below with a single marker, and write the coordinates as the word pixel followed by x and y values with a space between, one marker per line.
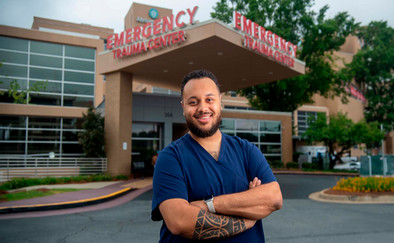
pixel 297 172
pixel 63 205
pixel 321 196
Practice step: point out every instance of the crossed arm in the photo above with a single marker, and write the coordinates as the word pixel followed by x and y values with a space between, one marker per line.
pixel 193 221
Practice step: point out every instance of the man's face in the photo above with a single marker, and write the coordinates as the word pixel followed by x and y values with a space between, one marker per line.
pixel 201 107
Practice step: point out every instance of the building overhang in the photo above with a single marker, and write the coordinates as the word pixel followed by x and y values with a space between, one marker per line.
pixel 211 45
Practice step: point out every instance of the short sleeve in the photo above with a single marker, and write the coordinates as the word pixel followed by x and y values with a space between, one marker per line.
pixel 168 181
pixel 258 165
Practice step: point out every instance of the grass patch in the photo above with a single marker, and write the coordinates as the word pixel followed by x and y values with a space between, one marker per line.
pixel 33 193
pixel 365 184
pixel 16 183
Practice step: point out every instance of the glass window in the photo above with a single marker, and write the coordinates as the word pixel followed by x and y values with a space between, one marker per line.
pixel 72 123
pixel 13 71
pixel 5 83
pixel 79 65
pixel 45 61
pixel 45 74
pixel 79 77
pixel 43 135
pixel 12 148
pixel 80 52
pixel 45 99
pixel 41 148
pixel 227 124
pixel 13 57
pixel 141 130
pixel 79 89
pixel 12 121
pixel 267 138
pixel 71 148
pixel 70 135
pixel 270 149
pixel 10 134
pixel 13 43
pixel 251 137
pixel 78 101
pixel 44 122
pixel 51 87
pixel 247 125
pixel 270 126
pixel 46 48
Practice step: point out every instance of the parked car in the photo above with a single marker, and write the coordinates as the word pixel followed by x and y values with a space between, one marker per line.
pixel 348 166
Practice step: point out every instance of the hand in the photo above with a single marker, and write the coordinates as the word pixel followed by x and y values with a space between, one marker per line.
pixel 200 204
pixel 256 182
pixel 249 223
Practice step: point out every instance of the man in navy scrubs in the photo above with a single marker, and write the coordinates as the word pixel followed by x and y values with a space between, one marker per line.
pixel 208 185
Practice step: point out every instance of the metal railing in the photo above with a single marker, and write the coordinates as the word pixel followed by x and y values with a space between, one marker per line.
pixel 12 167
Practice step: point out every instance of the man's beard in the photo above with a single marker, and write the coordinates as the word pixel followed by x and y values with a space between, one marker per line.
pixel 204 133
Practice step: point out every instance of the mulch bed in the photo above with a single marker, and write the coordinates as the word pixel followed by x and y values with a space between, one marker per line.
pixel 371 194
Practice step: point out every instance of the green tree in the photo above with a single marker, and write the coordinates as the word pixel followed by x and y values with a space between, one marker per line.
pixel 19 95
pixel 372 68
pixel 92 138
pixel 340 134
pixel 317 38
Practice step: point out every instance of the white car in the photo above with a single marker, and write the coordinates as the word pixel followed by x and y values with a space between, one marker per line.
pixel 348 166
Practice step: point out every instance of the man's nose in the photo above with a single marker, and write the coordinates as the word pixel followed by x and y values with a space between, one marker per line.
pixel 202 106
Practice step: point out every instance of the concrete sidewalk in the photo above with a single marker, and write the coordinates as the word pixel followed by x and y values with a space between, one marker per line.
pixel 90 193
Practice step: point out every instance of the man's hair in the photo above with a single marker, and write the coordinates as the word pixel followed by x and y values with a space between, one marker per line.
pixel 199 74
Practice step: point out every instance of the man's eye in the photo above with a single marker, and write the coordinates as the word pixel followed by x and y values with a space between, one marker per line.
pixel 192 102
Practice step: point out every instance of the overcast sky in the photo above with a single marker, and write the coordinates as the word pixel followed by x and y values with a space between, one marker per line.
pixel 110 13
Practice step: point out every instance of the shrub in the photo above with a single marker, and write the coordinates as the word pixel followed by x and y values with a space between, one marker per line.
pixel 365 184
pixel 292 165
pixel 276 164
pixel 16 183
pixel 311 166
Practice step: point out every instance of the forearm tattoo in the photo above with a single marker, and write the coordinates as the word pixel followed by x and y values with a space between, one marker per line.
pixel 214 227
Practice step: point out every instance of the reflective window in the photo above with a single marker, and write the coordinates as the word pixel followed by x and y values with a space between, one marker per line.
pixel 12 121
pixel 79 65
pixel 71 148
pixel 72 123
pixel 46 48
pixel 12 148
pixel 11 134
pixel 79 77
pixel 227 125
pixel 5 83
pixel 51 87
pixel 80 52
pixel 251 137
pixel 13 57
pixel 30 61
pixel 247 125
pixel 46 61
pixel 44 122
pixel 13 43
pixel 266 135
pixel 146 130
pixel 45 74
pixel 45 99
pixel 270 126
pixel 78 89
pixel 77 101
pixel 42 135
pixel 13 71
pixel 42 148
